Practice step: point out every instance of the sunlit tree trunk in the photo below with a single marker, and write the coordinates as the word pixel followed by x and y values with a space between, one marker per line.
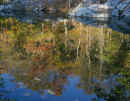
pixel 88 49
pixel 110 36
pixel 43 28
pixel 69 4
pixel 79 41
pixel 66 32
pixel 78 48
pixel 101 45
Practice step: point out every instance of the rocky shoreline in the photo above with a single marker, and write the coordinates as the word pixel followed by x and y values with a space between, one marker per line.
pixel 37 8
pixel 108 9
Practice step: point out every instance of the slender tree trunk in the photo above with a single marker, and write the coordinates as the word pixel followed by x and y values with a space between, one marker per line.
pixel 101 51
pixel 66 32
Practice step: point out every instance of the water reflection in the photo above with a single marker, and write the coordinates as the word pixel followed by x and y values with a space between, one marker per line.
pixel 115 23
pixel 66 61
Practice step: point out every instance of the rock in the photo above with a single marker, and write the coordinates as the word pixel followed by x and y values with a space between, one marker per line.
pixel 94 10
pixel 37 79
pixel 122 6
pixel 111 7
pixel 50 92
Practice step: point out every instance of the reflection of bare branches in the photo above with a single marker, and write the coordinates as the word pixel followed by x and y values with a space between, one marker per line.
pixel 79 41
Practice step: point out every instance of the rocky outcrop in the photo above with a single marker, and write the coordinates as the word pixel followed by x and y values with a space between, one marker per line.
pixel 119 6
pixel 111 7
pixel 94 10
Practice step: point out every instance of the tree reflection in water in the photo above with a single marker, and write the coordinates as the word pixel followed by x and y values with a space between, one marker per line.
pixel 43 58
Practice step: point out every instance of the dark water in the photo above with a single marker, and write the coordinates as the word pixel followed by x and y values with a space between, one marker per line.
pixel 120 24
pixel 65 61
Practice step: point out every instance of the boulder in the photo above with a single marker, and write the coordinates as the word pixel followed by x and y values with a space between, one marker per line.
pixel 94 10
pixel 111 7
pixel 119 6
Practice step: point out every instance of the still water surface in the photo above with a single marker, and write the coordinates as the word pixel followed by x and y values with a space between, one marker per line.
pixel 74 60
